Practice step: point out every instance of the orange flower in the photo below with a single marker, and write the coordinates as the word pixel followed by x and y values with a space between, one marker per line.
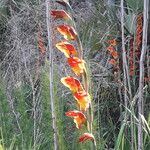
pixel 114 54
pixel 110 49
pixel 86 136
pixel 112 62
pixel 112 42
pixel 83 99
pixel 67 48
pixel 67 31
pixel 60 14
pixel 72 83
pixel 77 65
pixel 79 117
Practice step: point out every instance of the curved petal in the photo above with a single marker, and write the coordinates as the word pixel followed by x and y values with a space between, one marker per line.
pixel 77 65
pixel 112 42
pixel 86 136
pixel 83 99
pixel 72 83
pixel 112 62
pixel 67 48
pixel 60 14
pixel 68 32
pixel 79 117
pixel 63 2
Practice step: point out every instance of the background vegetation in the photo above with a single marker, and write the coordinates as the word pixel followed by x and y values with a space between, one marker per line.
pixel 25 112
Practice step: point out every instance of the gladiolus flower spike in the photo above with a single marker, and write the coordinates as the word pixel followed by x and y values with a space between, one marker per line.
pixel 60 14
pixel 68 32
pixel 79 117
pixel 67 48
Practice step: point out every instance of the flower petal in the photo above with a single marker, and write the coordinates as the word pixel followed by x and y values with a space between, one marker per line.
pixel 112 62
pixel 112 42
pixel 110 49
pixel 60 14
pixel 114 54
pixel 79 117
pixel 72 83
pixel 67 48
pixel 86 136
pixel 83 99
pixel 63 2
pixel 77 65
pixel 67 31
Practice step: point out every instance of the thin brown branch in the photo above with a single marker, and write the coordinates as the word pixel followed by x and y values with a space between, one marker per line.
pixel 141 80
pixel 50 50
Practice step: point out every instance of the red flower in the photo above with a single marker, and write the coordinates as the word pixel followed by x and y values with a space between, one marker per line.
pixel 110 49
pixel 60 14
pixel 114 54
pixel 112 62
pixel 83 99
pixel 72 83
pixel 79 117
pixel 112 42
pixel 77 65
pixel 86 136
pixel 67 31
pixel 67 48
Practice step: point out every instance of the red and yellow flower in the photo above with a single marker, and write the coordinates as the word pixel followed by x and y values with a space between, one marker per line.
pixel 60 14
pixel 72 83
pixel 112 42
pixel 112 62
pixel 86 136
pixel 78 116
pixel 83 99
pixel 68 32
pixel 67 48
pixel 77 65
